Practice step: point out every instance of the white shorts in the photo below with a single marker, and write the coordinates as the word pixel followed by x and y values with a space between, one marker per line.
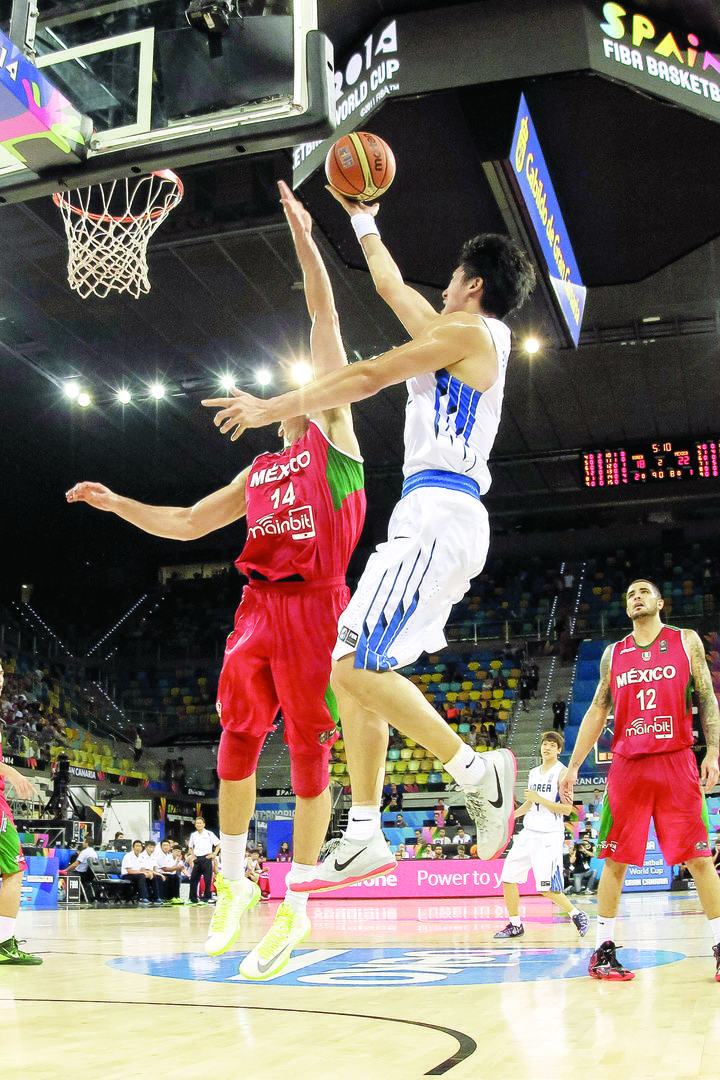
pixel 437 542
pixel 537 851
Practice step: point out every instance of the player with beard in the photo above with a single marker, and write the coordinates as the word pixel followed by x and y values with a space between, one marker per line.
pixel 648 677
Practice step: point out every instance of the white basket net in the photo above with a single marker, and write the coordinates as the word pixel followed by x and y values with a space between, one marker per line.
pixel 108 226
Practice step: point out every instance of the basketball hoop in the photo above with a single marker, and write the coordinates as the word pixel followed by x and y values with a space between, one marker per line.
pixel 108 227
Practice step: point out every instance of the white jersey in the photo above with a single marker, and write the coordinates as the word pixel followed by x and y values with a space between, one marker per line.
pixel 451 427
pixel 539 818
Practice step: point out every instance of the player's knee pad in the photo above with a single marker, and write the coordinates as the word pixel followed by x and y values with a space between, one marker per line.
pixel 238 755
pixel 309 773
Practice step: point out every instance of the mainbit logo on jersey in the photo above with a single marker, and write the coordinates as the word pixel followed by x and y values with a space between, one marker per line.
pixel 281 470
pixel 647 675
pixel 661 727
pixel 298 522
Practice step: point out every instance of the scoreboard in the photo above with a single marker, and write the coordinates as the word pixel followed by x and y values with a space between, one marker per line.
pixel 664 462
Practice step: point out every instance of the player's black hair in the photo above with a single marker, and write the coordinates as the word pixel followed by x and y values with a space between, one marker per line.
pixel 507 273
pixel 649 581
pixel 553 736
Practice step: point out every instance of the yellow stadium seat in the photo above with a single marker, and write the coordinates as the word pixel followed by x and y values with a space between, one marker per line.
pixel 496 664
pixel 413 766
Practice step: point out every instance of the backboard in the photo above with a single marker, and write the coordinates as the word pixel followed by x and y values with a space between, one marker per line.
pixel 161 93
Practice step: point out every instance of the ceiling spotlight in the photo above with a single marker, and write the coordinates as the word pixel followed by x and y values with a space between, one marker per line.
pixel 124 397
pixel 71 390
pixel 531 345
pixel 158 391
pixel 84 400
pixel 263 376
pixel 227 382
pixel 302 373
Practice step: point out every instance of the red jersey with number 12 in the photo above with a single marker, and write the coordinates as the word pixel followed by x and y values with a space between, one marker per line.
pixel 651 687
pixel 305 510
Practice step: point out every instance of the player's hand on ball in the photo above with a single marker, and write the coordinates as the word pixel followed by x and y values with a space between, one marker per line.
pixel 96 495
pixel 353 206
pixel 238 413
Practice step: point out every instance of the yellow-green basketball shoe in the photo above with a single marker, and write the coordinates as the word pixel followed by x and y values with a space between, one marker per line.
pixel 234 898
pixel 270 956
pixel 11 953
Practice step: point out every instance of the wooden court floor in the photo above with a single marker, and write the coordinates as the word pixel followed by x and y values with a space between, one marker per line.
pixel 399 989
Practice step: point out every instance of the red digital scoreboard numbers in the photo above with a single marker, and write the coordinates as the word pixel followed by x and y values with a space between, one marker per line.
pixel 663 462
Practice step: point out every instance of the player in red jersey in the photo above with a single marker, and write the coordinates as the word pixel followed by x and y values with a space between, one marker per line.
pixel 12 863
pixel 305 508
pixel 648 677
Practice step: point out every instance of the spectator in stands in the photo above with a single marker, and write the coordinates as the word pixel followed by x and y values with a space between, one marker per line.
pixel 438 852
pixel 525 691
pixel 400 822
pixel 392 797
pixel 133 871
pixel 402 852
pixel 461 853
pixel 558 709
pixel 471 738
pixel 461 837
pixel 167 772
pixel 284 853
pixel 180 776
pixel 584 879
pixel 442 838
pixel 118 836
pixel 716 853
pixel 79 866
pixel 137 743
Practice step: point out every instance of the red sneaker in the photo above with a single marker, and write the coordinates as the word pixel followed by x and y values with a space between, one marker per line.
pixel 716 954
pixel 604 965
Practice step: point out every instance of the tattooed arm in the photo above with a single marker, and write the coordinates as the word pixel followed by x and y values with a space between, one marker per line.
pixel 707 708
pixel 591 727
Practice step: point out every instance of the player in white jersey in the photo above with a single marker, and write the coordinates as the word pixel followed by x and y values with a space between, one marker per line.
pixel 539 846
pixel 437 537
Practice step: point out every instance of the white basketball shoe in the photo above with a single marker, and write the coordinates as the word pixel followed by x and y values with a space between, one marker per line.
pixel 491 803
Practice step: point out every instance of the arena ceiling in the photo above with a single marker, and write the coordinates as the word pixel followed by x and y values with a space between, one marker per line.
pixel 637 181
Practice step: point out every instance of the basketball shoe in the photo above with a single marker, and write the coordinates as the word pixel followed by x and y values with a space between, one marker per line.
pixel 604 965
pixel 350 861
pixel 510 931
pixel 491 803
pixel 582 923
pixel 234 899
pixel 270 956
pixel 11 953
pixel 716 954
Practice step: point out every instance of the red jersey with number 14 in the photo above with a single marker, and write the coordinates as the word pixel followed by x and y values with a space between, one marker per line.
pixel 651 687
pixel 305 510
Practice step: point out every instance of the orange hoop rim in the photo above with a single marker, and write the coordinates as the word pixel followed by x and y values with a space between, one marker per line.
pixel 63 200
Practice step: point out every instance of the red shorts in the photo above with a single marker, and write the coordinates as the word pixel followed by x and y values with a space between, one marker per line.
pixel 664 787
pixel 279 656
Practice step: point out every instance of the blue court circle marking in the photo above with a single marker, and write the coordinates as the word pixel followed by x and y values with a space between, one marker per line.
pixel 394 967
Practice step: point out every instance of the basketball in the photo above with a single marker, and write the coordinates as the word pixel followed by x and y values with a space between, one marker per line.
pixel 360 166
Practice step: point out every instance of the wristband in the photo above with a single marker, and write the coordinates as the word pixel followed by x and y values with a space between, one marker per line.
pixel 364 225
